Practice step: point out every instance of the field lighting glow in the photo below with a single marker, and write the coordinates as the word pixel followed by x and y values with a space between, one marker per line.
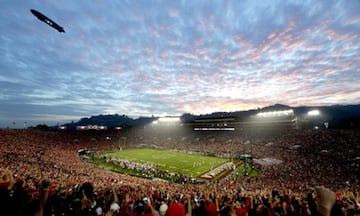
pixel 314 113
pixel 167 120
pixel 276 113
pixel 213 129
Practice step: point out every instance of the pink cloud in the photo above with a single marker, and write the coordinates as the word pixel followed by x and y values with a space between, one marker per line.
pixel 208 105
pixel 241 41
pixel 172 12
pixel 271 36
pixel 295 44
pixel 353 20
pixel 198 42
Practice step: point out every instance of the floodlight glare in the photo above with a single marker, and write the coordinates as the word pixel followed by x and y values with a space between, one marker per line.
pixel 276 113
pixel 169 119
pixel 314 113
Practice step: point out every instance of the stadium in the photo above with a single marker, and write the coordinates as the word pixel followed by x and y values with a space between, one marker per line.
pixel 180 108
pixel 223 162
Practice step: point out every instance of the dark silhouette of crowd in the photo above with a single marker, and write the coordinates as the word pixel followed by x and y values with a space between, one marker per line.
pixel 317 174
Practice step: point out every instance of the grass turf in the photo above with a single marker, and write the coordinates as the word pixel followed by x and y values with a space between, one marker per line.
pixel 172 161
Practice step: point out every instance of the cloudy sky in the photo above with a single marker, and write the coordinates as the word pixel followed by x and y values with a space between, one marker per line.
pixel 143 58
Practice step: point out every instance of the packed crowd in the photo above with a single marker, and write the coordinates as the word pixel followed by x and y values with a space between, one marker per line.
pixel 42 174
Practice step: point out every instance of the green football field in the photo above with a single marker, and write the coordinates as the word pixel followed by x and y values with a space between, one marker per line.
pixel 172 161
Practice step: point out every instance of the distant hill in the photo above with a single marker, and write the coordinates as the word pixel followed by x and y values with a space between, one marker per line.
pixel 338 116
pixel 111 121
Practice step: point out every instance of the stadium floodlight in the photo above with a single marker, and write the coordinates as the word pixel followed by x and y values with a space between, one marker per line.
pixel 81 127
pixel 276 113
pixel 169 119
pixel 62 128
pixel 314 113
pixel 101 127
pixel 118 128
pixel 214 129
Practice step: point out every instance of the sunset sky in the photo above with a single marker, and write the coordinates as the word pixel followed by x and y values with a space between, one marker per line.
pixel 143 58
